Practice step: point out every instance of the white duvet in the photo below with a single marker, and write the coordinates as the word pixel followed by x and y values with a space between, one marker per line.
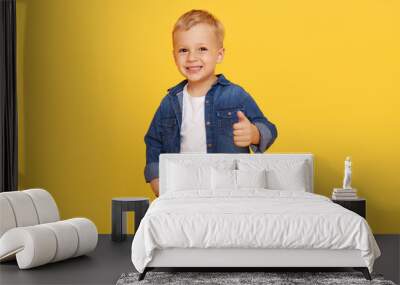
pixel 250 219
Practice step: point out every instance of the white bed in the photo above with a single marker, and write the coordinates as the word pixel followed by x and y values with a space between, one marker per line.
pixel 250 226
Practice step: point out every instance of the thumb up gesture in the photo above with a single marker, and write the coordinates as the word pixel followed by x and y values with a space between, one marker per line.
pixel 244 132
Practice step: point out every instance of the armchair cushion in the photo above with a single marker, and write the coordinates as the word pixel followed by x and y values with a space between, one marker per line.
pixel 31 232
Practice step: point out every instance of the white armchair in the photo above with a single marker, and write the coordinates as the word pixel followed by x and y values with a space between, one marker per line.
pixel 31 230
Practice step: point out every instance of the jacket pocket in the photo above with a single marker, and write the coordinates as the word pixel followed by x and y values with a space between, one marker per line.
pixel 168 123
pixel 226 118
pixel 226 114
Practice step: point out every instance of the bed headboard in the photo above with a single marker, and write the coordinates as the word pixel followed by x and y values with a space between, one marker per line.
pixel 214 157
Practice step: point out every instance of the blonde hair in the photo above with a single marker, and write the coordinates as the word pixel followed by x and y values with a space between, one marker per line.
pixel 194 17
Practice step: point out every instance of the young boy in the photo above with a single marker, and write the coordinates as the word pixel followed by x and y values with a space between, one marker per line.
pixel 205 113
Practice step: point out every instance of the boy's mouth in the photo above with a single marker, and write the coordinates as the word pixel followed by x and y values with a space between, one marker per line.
pixel 194 68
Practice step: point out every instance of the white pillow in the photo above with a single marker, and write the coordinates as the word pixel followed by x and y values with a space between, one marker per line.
pixel 282 174
pixel 289 179
pixel 182 177
pixel 223 179
pixel 251 178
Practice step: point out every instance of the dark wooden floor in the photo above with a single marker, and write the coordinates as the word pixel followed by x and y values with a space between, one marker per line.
pixel 103 266
pixel 111 259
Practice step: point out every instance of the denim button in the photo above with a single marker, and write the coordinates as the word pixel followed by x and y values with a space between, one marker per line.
pixel 209 145
pixel 208 123
pixel 206 101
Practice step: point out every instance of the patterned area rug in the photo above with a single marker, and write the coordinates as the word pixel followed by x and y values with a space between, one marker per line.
pixel 270 278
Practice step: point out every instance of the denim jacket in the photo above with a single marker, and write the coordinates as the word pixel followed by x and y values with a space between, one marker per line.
pixel 222 102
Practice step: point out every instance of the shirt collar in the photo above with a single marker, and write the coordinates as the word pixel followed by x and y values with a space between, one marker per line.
pixel 179 88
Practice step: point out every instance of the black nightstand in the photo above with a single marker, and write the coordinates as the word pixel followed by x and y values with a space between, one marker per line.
pixel 357 205
pixel 118 212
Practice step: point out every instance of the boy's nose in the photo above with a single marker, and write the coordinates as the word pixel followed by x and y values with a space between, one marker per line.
pixel 192 56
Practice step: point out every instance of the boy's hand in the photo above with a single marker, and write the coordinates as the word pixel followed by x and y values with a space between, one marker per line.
pixel 155 186
pixel 244 132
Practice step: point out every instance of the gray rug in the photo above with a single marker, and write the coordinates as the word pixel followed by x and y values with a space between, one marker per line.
pixel 270 278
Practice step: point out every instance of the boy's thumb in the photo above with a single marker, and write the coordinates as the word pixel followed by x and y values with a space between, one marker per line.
pixel 241 116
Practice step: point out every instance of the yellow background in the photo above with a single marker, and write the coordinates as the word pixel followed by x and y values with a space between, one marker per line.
pixel 91 73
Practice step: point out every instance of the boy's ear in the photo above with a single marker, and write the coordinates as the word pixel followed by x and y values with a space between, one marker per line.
pixel 220 55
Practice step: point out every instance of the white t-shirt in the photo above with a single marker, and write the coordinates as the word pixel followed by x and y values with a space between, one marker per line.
pixel 193 130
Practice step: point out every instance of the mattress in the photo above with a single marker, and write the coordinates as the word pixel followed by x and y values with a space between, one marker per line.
pixel 250 219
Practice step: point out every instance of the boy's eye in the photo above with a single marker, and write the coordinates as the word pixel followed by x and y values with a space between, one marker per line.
pixel 203 49
pixel 181 50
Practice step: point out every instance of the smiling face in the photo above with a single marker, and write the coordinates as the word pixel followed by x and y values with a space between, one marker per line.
pixel 196 52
